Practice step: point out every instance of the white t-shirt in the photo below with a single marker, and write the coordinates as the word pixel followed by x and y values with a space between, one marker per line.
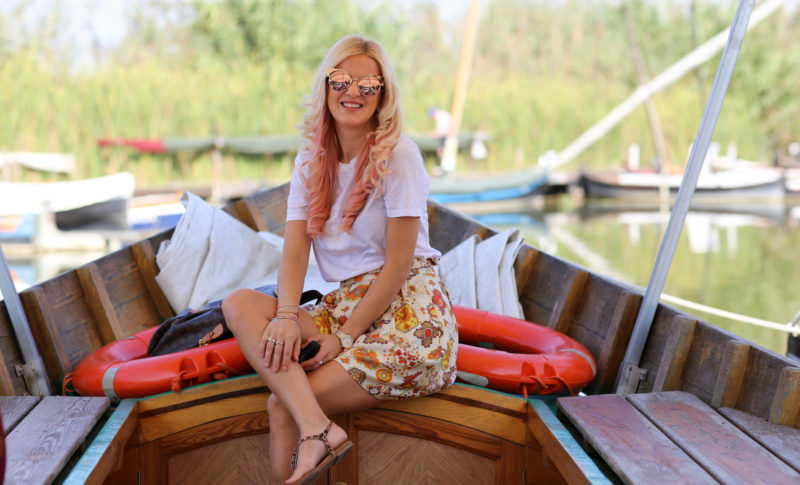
pixel 342 255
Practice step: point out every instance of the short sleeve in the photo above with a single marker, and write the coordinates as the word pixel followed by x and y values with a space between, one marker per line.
pixel 297 203
pixel 406 187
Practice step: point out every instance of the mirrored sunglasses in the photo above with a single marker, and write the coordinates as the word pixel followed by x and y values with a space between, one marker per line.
pixel 339 80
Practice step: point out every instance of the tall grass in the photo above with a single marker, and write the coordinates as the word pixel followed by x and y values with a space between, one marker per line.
pixel 529 100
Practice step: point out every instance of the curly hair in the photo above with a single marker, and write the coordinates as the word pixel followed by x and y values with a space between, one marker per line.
pixel 321 145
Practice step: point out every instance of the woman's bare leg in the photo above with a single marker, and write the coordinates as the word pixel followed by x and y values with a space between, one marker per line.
pixel 247 313
pixel 283 436
pixel 336 393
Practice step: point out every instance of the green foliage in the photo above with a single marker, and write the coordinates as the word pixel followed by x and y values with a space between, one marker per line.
pixel 543 72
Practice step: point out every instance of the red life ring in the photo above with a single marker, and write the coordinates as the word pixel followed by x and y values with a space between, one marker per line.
pixel 527 358
pixel 544 361
pixel 123 370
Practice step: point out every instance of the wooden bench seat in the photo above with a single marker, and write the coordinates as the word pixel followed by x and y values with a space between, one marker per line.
pixel 43 434
pixel 671 437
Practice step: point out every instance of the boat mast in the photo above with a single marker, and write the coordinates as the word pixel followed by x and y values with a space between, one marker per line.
pixel 630 374
pixel 462 81
pixel 643 77
pixel 671 75
pixel 33 369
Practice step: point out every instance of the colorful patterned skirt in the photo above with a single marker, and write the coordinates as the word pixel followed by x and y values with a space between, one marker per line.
pixel 411 349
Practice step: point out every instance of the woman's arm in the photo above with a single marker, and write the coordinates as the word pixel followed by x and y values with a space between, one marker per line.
pixel 294 263
pixel 401 239
pixel 291 277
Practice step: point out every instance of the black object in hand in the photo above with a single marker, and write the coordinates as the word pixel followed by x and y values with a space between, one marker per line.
pixel 308 351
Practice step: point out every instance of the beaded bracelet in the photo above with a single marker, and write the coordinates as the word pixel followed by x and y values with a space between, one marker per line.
pixel 281 317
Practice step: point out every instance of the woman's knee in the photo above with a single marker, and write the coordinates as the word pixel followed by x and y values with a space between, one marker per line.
pixel 234 304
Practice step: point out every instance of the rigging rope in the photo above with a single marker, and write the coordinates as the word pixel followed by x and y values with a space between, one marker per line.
pixel 599 263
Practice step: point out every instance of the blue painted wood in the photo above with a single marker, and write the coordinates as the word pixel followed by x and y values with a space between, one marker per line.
pixel 568 442
pixel 101 444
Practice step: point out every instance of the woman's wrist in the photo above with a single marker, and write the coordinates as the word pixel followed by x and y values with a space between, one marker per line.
pixel 345 340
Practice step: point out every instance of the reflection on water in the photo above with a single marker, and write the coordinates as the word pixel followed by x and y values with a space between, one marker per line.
pixel 745 263
pixel 27 271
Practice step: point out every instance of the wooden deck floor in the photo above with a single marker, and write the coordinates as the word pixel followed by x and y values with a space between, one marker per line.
pixel 43 434
pixel 672 437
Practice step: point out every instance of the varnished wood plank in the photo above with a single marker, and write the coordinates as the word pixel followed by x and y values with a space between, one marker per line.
pixel 629 443
pixel 670 369
pixel 430 430
pixel 488 411
pixel 146 261
pixel 346 471
pixel 152 463
pixel 128 472
pixel 247 212
pixel 164 424
pixel 42 443
pixel 569 300
pixel 615 342
pixel 511 465
pixel 786 403
pixel 731 374
pixel 242 460
pixel 105 453
pixel 561 448
pixel 782 441
pixel 216 430
pixel 722 449
pixel 190 396
pixel 99 303
pixel 386 458
pixel 14 409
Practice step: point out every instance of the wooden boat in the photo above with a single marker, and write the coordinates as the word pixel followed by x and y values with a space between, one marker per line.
pixel 37 197
pixel 249 145
pixel 455 189
pixel 34 214
pixel 217 432
pixel 754 185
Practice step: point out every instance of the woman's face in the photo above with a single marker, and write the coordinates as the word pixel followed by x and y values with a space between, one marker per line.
pixel 350 108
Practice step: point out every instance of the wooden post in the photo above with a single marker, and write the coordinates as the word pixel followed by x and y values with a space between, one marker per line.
pixel 216 172
pixel 462 82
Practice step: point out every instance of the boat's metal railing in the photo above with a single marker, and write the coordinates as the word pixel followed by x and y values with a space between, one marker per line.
pixel 32 370
pixel 630 374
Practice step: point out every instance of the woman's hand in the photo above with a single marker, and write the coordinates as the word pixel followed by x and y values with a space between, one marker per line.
pixel 280 344
pixel 329 348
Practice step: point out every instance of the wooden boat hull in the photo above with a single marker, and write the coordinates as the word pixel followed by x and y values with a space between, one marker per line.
pixel 717 190
pixel 114 296
pixel 454 189
pixel 466 434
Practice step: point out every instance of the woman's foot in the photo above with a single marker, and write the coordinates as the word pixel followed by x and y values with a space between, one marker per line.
pixel 315 453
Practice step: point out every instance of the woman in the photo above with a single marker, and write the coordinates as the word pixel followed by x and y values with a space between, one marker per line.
pixel 358 195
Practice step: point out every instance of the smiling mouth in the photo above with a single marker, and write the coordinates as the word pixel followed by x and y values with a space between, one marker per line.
pixel 351 105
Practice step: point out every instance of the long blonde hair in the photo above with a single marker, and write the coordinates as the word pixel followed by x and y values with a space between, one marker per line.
pixel 322 146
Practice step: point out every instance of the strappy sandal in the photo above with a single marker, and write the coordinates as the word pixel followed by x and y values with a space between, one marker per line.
pixel 333 456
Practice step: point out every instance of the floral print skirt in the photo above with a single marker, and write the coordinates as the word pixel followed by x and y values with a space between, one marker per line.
pixel 411 349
